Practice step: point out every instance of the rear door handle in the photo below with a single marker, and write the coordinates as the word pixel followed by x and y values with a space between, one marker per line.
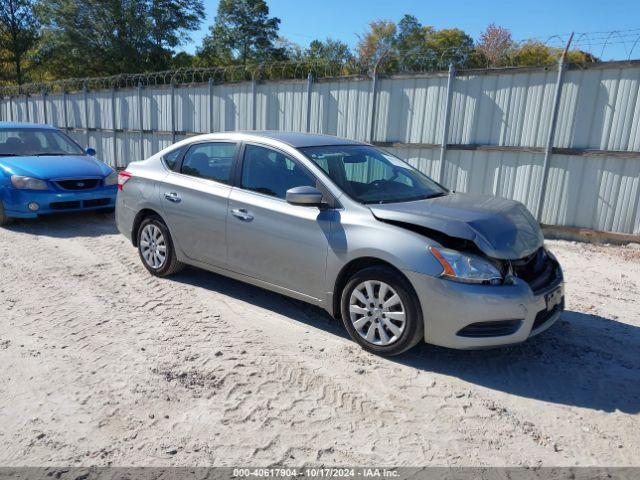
pixel 242 214
pixel 172 197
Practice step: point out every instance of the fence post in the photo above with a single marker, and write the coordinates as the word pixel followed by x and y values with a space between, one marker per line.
pixel 44 105
pixel 26 102
pixel 85 93
pixel 64 110
pixel 141 120
pixel 447 118
pixel 113 125
pixel 253 103
pixel 372 109
pixel 10 108
pixel 173 116
pixel 548 151
pixel 309 88
pixel 210 105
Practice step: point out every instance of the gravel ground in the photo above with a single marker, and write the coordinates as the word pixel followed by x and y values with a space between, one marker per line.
pixel 106 365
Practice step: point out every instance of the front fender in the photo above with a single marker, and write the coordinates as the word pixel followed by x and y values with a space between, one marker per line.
pixel 358 235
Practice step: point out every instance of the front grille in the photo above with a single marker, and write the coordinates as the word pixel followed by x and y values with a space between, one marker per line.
pixel 78 183
pixel 545 315
pixel 65 205
pixel 498 328
pixel 75 204
pixel 539 270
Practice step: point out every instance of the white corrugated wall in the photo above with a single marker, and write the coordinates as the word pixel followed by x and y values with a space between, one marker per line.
pixel 599 109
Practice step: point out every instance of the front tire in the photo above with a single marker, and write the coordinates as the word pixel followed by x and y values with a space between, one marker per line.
pixel 156 249
pixel 381 312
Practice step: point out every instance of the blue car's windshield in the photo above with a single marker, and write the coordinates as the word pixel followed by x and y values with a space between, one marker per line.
pixel 369 175
pixel 20 142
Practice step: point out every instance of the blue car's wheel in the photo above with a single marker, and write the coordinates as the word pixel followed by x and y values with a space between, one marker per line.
pixel 4 220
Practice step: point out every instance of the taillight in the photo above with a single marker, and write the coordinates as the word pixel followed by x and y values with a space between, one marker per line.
pixel 123 177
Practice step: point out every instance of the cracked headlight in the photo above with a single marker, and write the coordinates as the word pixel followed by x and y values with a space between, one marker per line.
pixel 28 183
pixel 466 268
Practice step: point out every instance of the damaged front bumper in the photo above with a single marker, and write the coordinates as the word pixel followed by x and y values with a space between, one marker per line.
pixel 468 316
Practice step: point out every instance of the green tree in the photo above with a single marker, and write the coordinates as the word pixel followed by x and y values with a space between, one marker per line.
pixel 533 53
pixel 104 37
pixel 450 45
pixel 328 50
pixel 242 33
pixel 170 22
pixel 412 44
pixel 18 33
pixel 182 60
pixel 94 37
pixel 377 44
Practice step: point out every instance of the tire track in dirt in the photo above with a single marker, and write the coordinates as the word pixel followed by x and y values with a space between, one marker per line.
pixel 126 367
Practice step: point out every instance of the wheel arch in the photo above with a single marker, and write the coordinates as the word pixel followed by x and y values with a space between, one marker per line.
pixel 351 268
pixel 140 216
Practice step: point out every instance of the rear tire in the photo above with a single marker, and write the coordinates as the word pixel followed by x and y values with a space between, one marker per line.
pixel 381 312
pixel 4 220
pixel 156 249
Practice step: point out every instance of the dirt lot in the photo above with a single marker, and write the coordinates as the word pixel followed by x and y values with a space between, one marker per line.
pixel 104 364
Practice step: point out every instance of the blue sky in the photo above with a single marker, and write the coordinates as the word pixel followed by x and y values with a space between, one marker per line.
pixel 304 20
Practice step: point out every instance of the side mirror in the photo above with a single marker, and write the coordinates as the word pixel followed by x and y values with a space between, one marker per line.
pixel 304 196
pixel 90 151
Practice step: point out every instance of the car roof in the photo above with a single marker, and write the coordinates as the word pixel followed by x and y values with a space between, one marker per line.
pixel 8 125
pixel 300 140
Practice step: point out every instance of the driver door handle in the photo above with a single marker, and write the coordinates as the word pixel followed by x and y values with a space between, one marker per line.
pixel 172 197
pixel 242 214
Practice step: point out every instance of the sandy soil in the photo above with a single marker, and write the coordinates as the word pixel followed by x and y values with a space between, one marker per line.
pixel 103 364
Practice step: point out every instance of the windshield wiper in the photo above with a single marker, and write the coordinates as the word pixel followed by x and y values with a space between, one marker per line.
pixel 50 154
pixel 403 200
pixel 436 195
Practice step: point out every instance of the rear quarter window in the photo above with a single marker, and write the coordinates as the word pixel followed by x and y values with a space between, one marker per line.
pixel 171 158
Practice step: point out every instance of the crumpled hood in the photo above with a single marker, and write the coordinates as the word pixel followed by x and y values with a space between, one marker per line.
pixel 54 166
pixel 500 228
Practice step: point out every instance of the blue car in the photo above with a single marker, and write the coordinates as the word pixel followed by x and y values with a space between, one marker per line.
pixel 44 171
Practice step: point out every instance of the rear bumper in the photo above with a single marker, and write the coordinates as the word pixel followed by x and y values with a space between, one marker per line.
pixel 500 315
pixel 125 218
pixel 16 201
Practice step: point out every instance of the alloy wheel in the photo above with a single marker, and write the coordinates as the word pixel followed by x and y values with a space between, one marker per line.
pixel 377 312
pixel 153 246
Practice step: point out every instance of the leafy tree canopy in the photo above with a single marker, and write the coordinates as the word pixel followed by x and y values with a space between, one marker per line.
pixel 19 32
pixel 243 32
pixel 102 37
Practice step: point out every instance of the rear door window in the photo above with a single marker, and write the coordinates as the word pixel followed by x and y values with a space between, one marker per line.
pixel 211 160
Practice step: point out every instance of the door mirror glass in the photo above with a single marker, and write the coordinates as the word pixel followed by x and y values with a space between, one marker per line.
pixel 90 151
pixel 304 196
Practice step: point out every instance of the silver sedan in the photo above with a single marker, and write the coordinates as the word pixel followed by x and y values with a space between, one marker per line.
pixel 350 228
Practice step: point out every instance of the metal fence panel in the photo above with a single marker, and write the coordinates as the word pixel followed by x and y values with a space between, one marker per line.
pixel 341 108
pixel 498 127
pixel 511 109
pixel 600 109
pixel 601 193
pixel 281 106
pixel 409 110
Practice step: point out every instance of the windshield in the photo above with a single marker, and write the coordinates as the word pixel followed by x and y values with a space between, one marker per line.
pixel 369 175
pixel 21 142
